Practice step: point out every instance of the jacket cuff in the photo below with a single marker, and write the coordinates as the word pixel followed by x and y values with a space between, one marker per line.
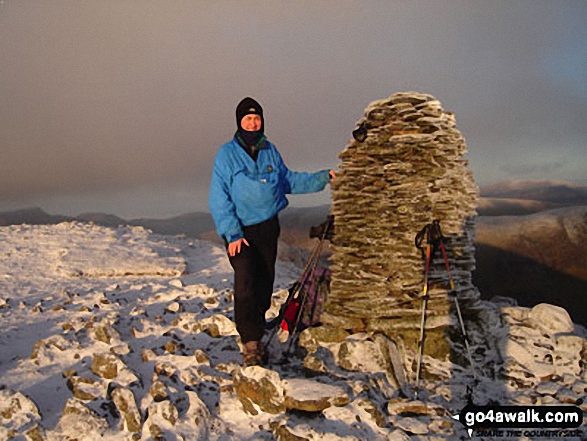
pixel 234 237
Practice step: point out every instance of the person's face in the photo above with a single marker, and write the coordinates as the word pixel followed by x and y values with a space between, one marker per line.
pixel 251 122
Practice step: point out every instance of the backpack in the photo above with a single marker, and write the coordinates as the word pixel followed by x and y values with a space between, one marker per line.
pixel 313 294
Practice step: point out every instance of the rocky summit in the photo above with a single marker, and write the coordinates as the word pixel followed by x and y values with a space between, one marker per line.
pixel 404 169
pixel 151 355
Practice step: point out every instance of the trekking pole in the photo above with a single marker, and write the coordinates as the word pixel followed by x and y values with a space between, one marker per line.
pixel 305 293
pixel 317 286
pixel 422 325
pixel 300 311
pixel 435 240
pixel 295 289
pixel 433 236
pixel 458 308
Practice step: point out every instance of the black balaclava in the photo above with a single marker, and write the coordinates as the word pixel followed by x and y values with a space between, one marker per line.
pixel 249 106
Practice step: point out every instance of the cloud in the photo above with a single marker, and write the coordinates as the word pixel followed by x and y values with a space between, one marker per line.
pixel 538 170
pixel 105 97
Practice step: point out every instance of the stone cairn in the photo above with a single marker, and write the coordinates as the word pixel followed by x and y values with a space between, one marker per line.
pixel 406 172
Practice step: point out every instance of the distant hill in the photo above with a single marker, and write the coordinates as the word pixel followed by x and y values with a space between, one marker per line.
pixel 525 248
pixel 190 224
pixel 31 216
pixel 559 193
pixel 296 223
pixel 510 206
pixel 106 220
pixel 554 238
pixel 536 258
pixel 499 199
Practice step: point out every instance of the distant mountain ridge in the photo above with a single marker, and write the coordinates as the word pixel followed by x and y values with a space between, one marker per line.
pixel 190 224
pixel 516 197
pixel 31 216
pixel 526 247
pixel 560 193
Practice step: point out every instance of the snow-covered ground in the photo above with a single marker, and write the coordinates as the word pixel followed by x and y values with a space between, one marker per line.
pixel 68 286
pixel 120 334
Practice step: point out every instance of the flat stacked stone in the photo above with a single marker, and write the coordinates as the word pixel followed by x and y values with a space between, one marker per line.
pixel 408 171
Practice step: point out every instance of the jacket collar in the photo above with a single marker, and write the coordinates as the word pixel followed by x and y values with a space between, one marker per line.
pixel 251 151
pixel 257 146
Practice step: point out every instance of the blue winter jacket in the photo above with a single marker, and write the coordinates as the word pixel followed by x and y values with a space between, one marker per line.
pixel 244 192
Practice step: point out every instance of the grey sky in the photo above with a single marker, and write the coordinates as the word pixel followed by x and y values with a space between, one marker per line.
pixel 120 106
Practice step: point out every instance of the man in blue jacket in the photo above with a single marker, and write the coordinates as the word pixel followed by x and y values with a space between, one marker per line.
pixel 248 188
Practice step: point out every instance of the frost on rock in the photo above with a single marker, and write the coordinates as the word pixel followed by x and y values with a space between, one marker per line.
pixel 312 396
pixel 161 421
pixel 541 347
pixel 259 390
pixel 104 332
pixel 197 422
pixel 18 414
pixel 407 171
pixel 157 357
pixel 105 366
pixel 49 350
pixel 412 425
pixel 127 251
pixel 86 389
pixel 361 352
pixel 553 318
pixel 218 325
pixel 126 406
pixel 79 422
pixel 357 353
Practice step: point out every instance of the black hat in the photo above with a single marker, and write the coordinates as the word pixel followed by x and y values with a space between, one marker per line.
pixel 246 107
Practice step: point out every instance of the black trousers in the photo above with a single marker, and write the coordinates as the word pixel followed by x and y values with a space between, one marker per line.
pixel 254 274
